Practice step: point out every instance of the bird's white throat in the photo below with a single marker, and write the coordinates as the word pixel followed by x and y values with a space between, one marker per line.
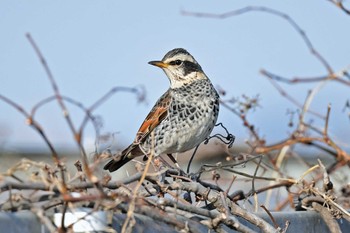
pixel 178 80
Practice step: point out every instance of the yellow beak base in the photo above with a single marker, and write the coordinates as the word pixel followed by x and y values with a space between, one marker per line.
pixel 159 64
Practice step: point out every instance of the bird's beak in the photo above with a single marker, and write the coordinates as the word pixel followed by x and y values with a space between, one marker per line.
pixel 159 64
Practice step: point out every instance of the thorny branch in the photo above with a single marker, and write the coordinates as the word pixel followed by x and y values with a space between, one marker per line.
pixel 271 11
pixel 63 108
pixel 340 5
pixel 299 136
pixel 305 133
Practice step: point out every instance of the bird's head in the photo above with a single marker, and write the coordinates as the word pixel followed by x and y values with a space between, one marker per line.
pixel 180 67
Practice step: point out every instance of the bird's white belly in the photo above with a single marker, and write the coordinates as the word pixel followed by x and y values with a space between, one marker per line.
pixel 188 135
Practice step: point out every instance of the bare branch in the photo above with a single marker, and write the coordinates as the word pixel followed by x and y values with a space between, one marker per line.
pixel 280 14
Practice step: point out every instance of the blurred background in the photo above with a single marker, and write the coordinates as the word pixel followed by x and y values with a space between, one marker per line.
pixel 93 46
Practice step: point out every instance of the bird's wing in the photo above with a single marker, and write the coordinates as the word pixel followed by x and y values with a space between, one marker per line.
pixel 153 119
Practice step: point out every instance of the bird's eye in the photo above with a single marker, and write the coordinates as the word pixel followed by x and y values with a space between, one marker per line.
pixel 176 62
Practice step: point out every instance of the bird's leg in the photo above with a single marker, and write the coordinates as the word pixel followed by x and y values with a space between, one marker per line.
pixel 145 158
pixel 165 162
pixel 171 157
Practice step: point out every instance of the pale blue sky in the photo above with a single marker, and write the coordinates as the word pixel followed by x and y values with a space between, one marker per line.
pixel 92 46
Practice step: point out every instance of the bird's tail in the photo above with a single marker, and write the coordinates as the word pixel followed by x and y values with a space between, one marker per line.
pixel 116 163
pixel 128 154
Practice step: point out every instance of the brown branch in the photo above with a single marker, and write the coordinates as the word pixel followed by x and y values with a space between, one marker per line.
pixel 270 216
pixel 88 115
pixel 127 225
pixel 100 101
pixel 40 213
pixel 162 216
pixel 30 121
pixel 273 78
pixel 332 224
pixel 286 184
pixel 325 131
pixel 340 5
pixel 280 14
pixel 5 186
pixel 334 76
pixel 200 211
pixel 286 142
pixel 252 218
pixel 63 107
pixel 245 121
pixel 327 183
pixel 215 199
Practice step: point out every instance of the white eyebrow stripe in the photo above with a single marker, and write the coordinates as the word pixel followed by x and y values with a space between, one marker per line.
pixel 182 57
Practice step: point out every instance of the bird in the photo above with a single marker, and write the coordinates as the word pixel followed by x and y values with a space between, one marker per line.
pixel 182 118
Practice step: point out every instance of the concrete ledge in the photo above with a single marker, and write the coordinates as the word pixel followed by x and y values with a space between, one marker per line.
pixel 300 221
pixel 303 221
pixel 23 221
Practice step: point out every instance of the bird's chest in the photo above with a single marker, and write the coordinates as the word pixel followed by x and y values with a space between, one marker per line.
pixel 191 119
pixel 191 111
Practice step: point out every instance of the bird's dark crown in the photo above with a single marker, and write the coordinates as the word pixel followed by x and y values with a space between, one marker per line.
pixel 175 52
pixel 179 57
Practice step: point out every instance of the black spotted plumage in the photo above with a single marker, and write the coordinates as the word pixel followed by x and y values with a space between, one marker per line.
pixel 182 118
